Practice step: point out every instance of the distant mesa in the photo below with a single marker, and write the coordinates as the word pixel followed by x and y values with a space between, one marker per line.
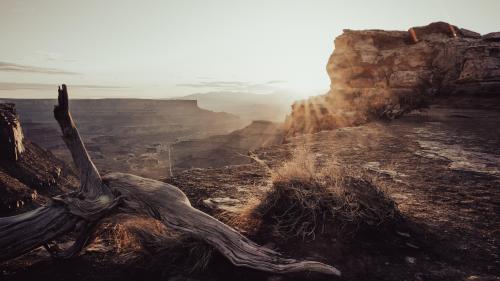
pixel 247 106
pixel 383 74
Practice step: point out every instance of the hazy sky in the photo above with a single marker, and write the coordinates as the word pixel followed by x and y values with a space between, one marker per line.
pixel 171 48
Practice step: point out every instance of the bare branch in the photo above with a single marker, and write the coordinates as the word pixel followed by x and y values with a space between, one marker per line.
pixel 91 184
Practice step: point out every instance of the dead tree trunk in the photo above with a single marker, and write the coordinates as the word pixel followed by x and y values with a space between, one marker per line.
pixel 116 193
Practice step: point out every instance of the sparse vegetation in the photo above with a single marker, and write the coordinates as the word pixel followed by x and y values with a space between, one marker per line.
pixel 305 201
pixel 123 234
pixel 146 241
pixel 174 252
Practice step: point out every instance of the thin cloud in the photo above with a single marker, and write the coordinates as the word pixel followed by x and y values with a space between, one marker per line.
pixel 6 86
pixel 234 85
pixel 12 67
pixel 214 84
pixel 50 56
pixel 275 82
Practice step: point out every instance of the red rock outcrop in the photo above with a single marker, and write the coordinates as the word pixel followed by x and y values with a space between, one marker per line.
pixel 384 74
pixel 11 134
pixel 29 175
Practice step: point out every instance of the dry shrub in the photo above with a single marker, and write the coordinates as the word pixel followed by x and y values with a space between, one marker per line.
pixel 305 200
pixel 245 221
pixel 121 234
pixel 176 253
pixel 148 241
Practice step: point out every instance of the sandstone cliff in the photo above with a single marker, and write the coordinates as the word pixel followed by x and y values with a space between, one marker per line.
pixel 384 74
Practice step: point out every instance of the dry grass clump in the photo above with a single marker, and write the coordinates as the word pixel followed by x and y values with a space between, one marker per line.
pixel 245 221
pixel 145 240
pixel 306 200
pixel 176 253
pixel 120 235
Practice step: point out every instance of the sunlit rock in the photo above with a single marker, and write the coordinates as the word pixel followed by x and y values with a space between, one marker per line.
pixel 383 74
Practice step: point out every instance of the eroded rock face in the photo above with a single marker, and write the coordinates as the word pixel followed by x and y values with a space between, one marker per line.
pixel 384 74
pixel 11 134
pixel 29 175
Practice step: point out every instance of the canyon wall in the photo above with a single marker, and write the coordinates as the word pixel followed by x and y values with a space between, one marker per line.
pixel 383 74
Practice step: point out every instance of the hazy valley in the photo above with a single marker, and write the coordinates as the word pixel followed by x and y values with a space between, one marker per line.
pixel 127 134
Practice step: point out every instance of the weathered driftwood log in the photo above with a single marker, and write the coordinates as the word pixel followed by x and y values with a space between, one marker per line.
pixel 115 193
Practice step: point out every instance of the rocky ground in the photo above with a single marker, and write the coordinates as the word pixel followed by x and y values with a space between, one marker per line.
pixel 441 165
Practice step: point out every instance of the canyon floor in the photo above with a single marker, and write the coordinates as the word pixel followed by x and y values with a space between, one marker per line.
pixel 441 166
